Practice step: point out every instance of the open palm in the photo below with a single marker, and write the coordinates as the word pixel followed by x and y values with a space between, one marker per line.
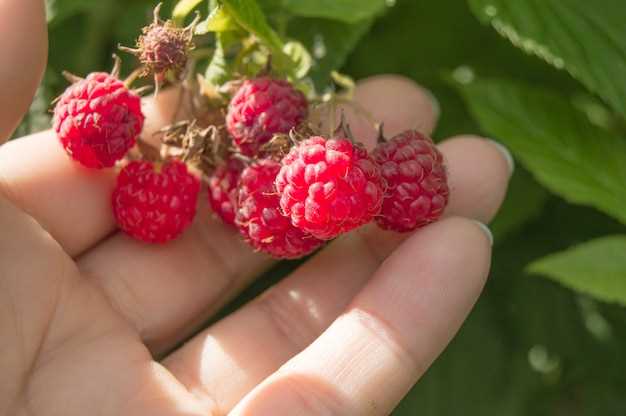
pixel 89 319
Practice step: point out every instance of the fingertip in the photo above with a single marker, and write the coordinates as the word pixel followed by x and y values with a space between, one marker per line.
pixel 478 175
pixel 450 235
pixel 486 231
pixel 446 260
pixel 374 89
pixel 397 102
pixel 504 151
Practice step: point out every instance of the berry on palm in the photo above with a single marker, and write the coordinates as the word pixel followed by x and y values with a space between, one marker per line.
pixel 153 205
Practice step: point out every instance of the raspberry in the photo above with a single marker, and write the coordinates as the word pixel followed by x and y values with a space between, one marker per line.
pixel 417 188
pixel 261 108
pixel 223 190
pixel 329 187
pixel 155 206
pixel 163 47
pixel 97 120
pixel 259 217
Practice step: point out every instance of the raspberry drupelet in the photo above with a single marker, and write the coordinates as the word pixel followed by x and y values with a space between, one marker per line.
pixel 223 190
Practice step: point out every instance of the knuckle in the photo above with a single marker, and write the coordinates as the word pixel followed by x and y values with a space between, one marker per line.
pixel 391 339
pixel 290 316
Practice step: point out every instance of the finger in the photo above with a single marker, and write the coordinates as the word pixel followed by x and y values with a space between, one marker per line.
pixel 479 171
pixel 32 271
pixel 71 202
pixel 292 314
pixel 199 289
pixel 167 290
pixel 404 317
pixel 395 101
pixel 25 44
pixel 59 337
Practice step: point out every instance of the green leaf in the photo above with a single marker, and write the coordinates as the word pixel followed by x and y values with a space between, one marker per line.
pixel 557 143
pixel 330 43
pixel 349 11
pixel 219 69
pixel 596 268
pixel 183 8
pixel 218 21
pixel 588 38
pixel 248 14
pixel 524 202
pixel 58 10
pixel 479 362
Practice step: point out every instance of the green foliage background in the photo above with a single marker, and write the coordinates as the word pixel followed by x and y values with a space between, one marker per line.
pixel 545 77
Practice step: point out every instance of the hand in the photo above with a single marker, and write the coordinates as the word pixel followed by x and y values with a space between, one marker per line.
pixel 91 321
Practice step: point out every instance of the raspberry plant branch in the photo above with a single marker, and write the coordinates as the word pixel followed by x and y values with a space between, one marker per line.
pixel 253 137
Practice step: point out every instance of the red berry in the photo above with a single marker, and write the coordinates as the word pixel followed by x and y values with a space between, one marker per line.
pixel 260 219
pixel 155 206
pixel 417 188
pixel 261 108
pixel 98 120
pixel 329 187
pixel 223 190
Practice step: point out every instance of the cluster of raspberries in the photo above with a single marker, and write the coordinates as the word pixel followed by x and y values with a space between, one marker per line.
pixel 285 205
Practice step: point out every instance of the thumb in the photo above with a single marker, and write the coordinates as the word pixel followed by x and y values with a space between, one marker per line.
pixel 24 50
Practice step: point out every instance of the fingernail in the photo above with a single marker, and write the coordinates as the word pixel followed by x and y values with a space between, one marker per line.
pixel 507 155
pixel 486 230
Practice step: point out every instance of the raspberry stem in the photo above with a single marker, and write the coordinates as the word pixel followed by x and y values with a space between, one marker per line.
pixel 381 136
pixel 71 78
pixel 117 67
pixel 156 13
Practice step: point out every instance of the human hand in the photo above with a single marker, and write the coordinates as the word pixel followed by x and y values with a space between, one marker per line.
pixel 90 319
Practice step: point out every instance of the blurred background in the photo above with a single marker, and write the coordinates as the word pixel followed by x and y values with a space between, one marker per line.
pixel 545 77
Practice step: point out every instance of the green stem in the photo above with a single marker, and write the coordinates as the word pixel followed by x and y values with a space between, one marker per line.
pixel 99 21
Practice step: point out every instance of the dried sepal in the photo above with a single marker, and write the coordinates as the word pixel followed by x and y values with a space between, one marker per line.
pixel 201 147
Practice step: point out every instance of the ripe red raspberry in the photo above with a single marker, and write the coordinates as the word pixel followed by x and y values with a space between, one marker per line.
pixel 259 217
pixel 223 190
pixel 329 187
pixel 261 108
pixel 417 188
pixel 155 206
pixel 97 120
